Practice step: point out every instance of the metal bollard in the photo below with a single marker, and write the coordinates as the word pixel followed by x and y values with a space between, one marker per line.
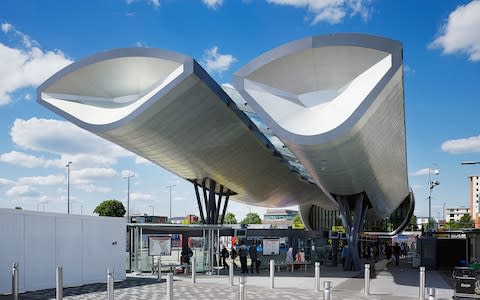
pixel 366 288
pixel 159 269
pixel 272 273
pixel 59 283
pixel 194 271
pixel 109 285
pixel 327 290
pixel 15 283
pixel 432 294
pixel 317 276
pixel 230 272
pixel 170 286
pixel 243 288
pixel 421 295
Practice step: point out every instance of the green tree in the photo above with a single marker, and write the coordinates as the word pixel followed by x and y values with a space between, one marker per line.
pixel 450 225
pixel 465 221
pixel 252 218
pixel 412 224
pixel 230 219
pixel 110 208
pixel 297 223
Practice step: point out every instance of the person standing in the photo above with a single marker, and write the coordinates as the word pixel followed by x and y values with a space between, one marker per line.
pixel 396 253
pixel 224 255
pixel 243 253
pixel 289 259
pixel 345 252
pixel 253 257
pixel 233 255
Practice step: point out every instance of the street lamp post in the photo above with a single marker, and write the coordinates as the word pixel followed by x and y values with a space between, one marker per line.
pixel 431 185
pixel 128 194
pixel 170 187
pixel 68 186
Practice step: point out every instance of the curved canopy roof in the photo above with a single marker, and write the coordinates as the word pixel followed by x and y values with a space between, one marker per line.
pixel 336 102
pixel 166 108
pixel 312 119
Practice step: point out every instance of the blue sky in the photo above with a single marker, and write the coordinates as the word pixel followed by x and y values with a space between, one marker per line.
pixel 37 38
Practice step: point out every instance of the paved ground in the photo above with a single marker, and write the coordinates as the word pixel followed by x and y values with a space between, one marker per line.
pixel 388 282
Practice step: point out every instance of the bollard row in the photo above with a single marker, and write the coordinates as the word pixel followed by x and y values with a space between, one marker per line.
pixel 230 272
pixel 327 290
pixel 272 273
pixel 15 282
pixel 421 295
pixel 366 288
pixel 243 288
pixel 59 283
pixel 317 276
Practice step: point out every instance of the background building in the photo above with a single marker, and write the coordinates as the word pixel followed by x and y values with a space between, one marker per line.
pixel 456 213
pixel 474 200
pixel 279 216
pixel 149 219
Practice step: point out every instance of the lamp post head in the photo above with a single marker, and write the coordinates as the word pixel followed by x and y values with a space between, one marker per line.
pixel 470 162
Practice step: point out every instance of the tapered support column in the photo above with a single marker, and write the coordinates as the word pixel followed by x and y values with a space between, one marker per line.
pixel 209 199
pixel 353 210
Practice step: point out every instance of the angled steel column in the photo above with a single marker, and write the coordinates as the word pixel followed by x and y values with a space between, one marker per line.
pixel 219 204
pixel 205 199
pixel 353 209
pixel 199 201
pixel 225 207
pixel 212 202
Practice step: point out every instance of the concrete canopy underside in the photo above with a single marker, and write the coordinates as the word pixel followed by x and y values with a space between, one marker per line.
pixel 188 126
pixel 335 101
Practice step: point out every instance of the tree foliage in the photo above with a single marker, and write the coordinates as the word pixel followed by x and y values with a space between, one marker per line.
pixel 230 219
pixel 297 223
pixel 412 224
pixel 466 221
pixel 110 208
pixel 252 218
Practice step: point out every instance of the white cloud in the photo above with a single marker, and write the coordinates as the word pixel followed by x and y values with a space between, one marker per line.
pixel 4 181
pixel 91 188
pixel 330 11
pixel 421 172
pixel 460 32
pixel 42 180
pixel 66 139
pixel 25 66
pixel 140 196
pixel 91 175
pixel 6 27
pixel 215 62
pixel 465 145
pixel 154 3
pixel 28 161
pixel 22 191
pixel 213 4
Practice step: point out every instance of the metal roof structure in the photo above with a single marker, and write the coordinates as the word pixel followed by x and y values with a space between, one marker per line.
pixel 307 122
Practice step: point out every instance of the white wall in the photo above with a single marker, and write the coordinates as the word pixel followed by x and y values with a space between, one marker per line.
pixel 85 246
